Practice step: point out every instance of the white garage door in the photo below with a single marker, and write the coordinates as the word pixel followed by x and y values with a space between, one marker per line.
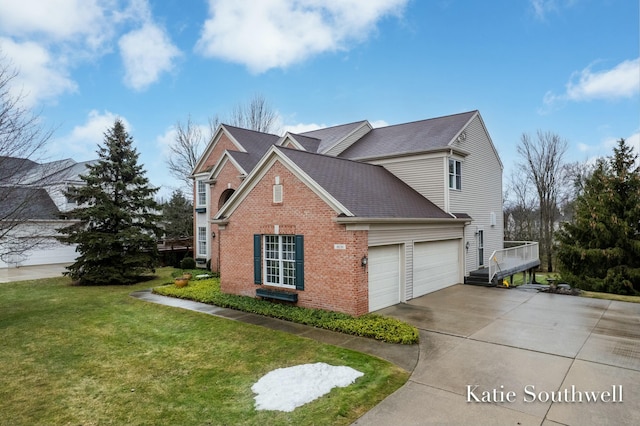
pixel 436 265
pixel 384 276
pixel 54 252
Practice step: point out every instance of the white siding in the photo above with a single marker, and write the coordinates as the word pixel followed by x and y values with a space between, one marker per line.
pixel 481 193
pixel 425 175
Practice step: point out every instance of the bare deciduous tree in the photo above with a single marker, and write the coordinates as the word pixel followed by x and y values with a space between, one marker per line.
pixel 256 114
pixel 576 176
pixel 185 151
pixel 544 164
pixel 22 178
pixel 520 208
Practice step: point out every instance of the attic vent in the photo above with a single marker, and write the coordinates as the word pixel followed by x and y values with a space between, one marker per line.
pixel 277 193
pixel 461 137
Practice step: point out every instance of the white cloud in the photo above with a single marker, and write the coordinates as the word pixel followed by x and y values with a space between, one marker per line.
pixel 146 54
pixel 82 143
pixel 583 147
pixel 47 39
pixel 165 140
pixel 278 33
pixel 378 123
pixel 39 76
pixel 541 8
pixel 622 81
pixel 302 127
pixel 55 19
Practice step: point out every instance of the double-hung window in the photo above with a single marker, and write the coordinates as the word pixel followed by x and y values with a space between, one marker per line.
pixel 279 260
pixel 202 193
pixel 455 174
pixel 202 240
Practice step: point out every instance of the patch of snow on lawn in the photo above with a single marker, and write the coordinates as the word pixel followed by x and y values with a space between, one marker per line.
pixel 285 389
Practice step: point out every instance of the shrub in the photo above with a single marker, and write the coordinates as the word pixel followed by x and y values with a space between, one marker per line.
pixel 371 325
pixel 188 263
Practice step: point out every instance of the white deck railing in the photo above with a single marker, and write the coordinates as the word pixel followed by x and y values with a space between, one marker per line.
pixel 522 254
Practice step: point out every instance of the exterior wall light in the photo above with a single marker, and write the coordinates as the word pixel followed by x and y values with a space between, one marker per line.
pixel 364 261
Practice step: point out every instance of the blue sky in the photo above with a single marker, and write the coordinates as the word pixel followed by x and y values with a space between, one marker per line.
pixel 567 66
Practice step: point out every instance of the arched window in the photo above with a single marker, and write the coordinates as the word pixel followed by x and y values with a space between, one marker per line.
pixel 224 197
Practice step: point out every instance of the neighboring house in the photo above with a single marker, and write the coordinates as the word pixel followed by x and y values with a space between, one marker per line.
pixel 349 218
pixel 33 196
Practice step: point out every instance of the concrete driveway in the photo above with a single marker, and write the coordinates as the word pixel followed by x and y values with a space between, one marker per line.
pixel 515 357
pixel 24 273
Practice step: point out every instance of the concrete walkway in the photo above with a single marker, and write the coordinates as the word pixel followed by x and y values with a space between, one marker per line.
pixel 483 343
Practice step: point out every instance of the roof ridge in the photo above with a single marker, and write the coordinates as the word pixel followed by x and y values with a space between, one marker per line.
pixel 426 119
pixel 305 136
pixel 327 156
pixel 248 130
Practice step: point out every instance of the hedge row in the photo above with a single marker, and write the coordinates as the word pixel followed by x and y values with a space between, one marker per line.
pixel 371 325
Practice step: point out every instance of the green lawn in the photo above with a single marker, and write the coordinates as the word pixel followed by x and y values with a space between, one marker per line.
pixel 95 355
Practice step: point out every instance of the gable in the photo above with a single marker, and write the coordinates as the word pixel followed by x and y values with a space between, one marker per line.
pixel 288 141
pixel 335 139
pixel 256 177
pixel 227 160
pixel 475 132
pixel 222 141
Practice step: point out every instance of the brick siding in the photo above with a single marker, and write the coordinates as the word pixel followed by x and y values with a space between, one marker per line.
pixel 334 279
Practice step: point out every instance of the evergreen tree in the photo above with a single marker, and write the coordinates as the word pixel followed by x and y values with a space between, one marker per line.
pixel 118 216
pixel 600 249
pixel 177 216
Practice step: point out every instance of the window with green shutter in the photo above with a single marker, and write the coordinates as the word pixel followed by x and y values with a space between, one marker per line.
pixel 279 260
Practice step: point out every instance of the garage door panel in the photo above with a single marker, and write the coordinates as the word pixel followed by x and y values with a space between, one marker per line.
pixel 384 276
pixel 436 265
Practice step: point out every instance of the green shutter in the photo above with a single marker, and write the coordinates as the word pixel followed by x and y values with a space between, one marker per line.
pixel 299 262
pixel 257 259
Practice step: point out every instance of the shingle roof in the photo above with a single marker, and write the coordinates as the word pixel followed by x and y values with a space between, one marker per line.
pixel 366 190
pixel 246 160
pixel 408 138
pixel 309 143
pixel 23 203
pixel 255 143
pixel 329 136
pixel 13 167
pixel 251 140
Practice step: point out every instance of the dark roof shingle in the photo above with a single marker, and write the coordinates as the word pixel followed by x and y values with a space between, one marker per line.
pixel 255 143
pixel 366 190
pixel 23 203
pixel 408 138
